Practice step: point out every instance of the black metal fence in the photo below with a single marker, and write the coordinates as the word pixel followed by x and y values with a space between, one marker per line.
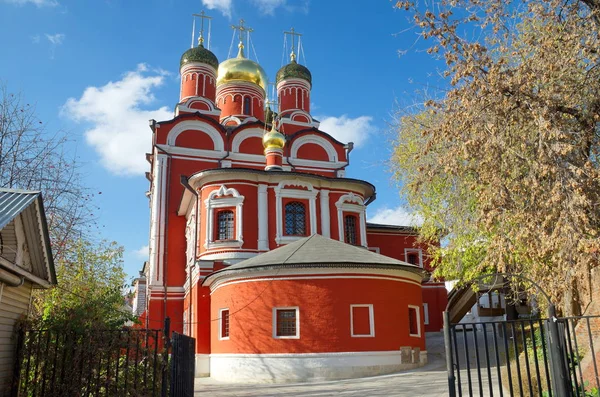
pixel 524 357
pixel 182 365
pixel 126 362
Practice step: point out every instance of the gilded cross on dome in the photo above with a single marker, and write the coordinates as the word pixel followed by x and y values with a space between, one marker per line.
pixel 202 17
pixel 241 28
pixel 294 34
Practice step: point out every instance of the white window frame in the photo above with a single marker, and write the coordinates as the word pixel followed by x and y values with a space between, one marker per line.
pixel 371 322
pixel 355 204
pixel 215 202
pixel 419 251
pixel 418 310
pixel 221 337
pixel 285 189
pixel 425 314
pixel 297 336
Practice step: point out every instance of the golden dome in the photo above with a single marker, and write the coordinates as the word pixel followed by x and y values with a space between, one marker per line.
pixel 273 139
pixel 241 69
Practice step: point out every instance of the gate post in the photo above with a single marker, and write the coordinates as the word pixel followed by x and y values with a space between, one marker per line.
pixel 560 379
pixel 167 345
pixel 449 360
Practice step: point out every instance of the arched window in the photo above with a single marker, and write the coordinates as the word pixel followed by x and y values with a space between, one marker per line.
pixel 247 103
pixel 295 219
pixel 350 235
pixel 225 225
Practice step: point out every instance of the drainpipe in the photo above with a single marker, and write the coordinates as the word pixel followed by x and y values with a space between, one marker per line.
pixel 166 235
pixel 228 135
pixel 185 183
pixel 371 199
pixel 348 148
pixel 11 279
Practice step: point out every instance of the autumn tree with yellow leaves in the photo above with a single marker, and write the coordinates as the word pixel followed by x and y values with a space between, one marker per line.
pixel 504 166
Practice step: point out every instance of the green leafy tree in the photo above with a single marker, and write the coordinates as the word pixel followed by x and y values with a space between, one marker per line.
pixel 504 164
pixel 90 290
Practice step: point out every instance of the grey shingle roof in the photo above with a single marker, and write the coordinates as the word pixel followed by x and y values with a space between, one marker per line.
pixel 315 251
pixel 13 202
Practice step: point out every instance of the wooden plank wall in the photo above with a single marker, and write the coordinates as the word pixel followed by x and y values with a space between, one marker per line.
pixel 14 304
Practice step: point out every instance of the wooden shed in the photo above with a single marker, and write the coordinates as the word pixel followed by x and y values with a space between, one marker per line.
pixel 25 263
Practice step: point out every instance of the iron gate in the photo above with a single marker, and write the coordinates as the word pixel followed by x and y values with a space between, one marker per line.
pixel 528 357
pixel 183 350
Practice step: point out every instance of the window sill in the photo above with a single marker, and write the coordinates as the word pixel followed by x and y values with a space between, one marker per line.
pixel 288 239
pixel 224 244
pixel 286 337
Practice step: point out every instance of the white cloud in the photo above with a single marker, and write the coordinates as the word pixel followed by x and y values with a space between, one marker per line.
pixel 56 39
pixel 220 5
pixel 35 39
pixel 142 252
pixel 346 129
pixel 119 129
pixel 265 6
pixel 269 6
pixel 395 216
pixel 39 3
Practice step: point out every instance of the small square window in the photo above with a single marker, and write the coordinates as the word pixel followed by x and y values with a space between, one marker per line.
pixel 286 323
pixel 414 321
pixel 224 324
pixel 414 256
pixel 362 324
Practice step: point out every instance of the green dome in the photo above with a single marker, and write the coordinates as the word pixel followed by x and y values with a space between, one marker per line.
pixel 294 70
pixel 199 54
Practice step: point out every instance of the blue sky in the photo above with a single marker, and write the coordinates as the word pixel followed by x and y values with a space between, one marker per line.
pixel 100 69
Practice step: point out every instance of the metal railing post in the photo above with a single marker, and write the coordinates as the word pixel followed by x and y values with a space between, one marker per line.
pixel 560 377
pixel 449 363
pixel 167 345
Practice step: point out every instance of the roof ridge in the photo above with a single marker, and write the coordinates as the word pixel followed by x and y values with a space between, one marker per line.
pixel 20 191
pixel 296 250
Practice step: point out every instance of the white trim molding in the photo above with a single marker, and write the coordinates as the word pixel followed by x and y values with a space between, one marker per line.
pixel 263 218
pixel 199 126
pixel 352 203
pixel 297 309
pixel 425 314
pixel 325 218
pixel 285 189
pixel 221 337
pixel 317 140
pixel 243 135
pixel 418 251
pixel 219 199
pixel 418 311
pixel 371 333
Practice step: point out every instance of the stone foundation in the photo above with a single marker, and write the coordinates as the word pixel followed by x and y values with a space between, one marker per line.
pixel 273 368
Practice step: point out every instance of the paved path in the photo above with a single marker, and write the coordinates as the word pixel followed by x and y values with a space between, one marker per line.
pixel 431 380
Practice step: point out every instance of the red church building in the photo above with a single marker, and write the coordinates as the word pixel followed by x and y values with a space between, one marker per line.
pixel 260 246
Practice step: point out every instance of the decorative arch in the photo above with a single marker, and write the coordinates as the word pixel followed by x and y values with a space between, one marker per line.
pixel 285 189
pixel 223 198
pixel 233 119
pixel 193 104
pixel 318 140
pixel 205 128
pixel 243 135
pixel 355 204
